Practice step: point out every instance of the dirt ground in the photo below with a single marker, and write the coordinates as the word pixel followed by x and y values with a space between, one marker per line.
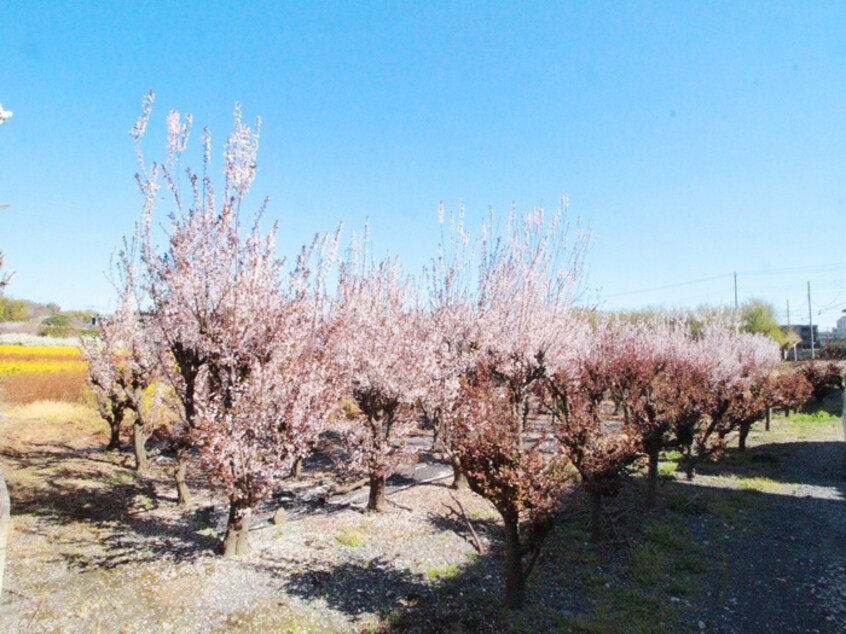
pixel 757 543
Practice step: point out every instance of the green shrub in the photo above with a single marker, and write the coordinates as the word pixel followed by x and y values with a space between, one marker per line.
pixel 13 309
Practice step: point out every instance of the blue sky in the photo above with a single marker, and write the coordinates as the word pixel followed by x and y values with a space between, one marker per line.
pixel 695 139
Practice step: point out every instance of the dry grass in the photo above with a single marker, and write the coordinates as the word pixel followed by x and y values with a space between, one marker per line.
pixel 66 385
pixel 50 412
pixel 48 421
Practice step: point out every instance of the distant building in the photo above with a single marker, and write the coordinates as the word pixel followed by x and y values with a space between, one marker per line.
pixel 841 327
pixel 804 333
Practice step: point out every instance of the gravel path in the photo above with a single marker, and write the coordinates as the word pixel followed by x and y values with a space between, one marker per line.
pixel 786 559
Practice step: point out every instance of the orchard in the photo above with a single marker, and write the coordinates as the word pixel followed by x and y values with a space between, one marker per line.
pixel 531 396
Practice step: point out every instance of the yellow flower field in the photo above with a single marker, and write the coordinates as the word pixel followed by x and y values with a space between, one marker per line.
pixel 42 373
pixel 39 359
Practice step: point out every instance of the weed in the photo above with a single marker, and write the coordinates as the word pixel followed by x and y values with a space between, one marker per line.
pixel 820 416
pixel 351 538
pixel 668 468
pixel 691 563
pixel 667 536
pixel 755 484
pixel 145 502
pixel 685 503
pixel 447 572
pixel 121 477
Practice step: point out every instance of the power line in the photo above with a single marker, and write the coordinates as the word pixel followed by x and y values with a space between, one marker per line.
pixel 669 286
pixel 788 271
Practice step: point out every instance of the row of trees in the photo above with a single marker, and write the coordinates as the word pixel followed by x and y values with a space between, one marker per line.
pixel 526 391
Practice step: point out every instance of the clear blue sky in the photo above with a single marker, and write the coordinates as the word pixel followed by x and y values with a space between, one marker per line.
pixel 696 139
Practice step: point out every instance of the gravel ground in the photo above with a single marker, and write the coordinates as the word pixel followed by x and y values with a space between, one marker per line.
pixel 787 567
pixel 91 549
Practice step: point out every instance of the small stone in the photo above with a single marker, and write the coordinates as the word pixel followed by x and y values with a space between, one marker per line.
pixel 701 625
pixel 280 516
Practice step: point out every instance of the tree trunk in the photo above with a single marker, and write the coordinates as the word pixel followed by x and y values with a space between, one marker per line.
pixel 297 469
pixel 437 444
pixel 182 492
pixel 741 439
pixel 459 479
pixel 595 516
pixel 514 580
pixel 139 442
pixel 114 437
pixel 377 494
pixel 767 420
pixel 652 479
pixel 237 540
pixel 688 464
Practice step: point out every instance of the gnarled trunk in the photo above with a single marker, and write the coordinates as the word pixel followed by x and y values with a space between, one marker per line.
pixel 595 516
pixel 297 469
pixel 459 478
pixel 743 433
pixel 652 478
pixel 140 434
pixel 182 492
pixel 515 582
pixel 237 540
pixel 689 463
pixel 377 493
pixel 114 436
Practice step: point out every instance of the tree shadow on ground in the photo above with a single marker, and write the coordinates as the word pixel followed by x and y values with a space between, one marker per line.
pixel 735 559
pixel 812 462
pixel 63 486
pixel 462 597
pixel 374 586
pixel 451 518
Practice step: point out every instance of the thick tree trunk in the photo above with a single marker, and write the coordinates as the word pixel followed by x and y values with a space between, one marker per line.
pixel 139 448
pixel 515 582
pixel 652 479
pixel 237 540
pixel 595 516
pixel 182 492
pixel 437 444
pixel 688 464
pixel 741 439
pixel 114 437
pixel 459 479
pixel 297 469
pixel 377 494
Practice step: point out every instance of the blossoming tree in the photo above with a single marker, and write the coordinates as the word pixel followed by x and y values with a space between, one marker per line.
pixel 384 348
pixel 526 286
pixel 242 350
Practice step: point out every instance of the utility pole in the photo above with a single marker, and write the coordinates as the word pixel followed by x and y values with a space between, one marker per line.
pixel 736 318
pixel 790 333
pixel 735 293
pixel 810 320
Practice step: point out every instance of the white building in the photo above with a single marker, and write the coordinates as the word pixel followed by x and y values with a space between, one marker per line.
pixel 841 328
